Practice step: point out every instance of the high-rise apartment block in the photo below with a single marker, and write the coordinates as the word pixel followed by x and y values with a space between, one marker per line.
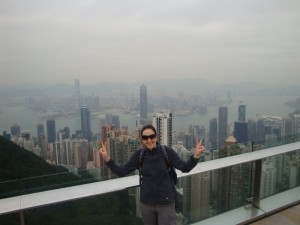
pixel 163 124
pixel 51 130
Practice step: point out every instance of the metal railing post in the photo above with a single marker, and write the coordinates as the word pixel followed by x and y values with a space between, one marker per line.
pixel 22 219
pixel 257 183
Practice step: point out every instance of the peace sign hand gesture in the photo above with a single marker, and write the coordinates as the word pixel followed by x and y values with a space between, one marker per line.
pixel 103 151
pixel 199 148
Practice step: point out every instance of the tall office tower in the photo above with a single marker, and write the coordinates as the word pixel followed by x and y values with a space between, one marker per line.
pixel 40 131
pixel 143 105
pixel 241 131
pixel 77 95
pixel 86 123
pixel 163 125
pixel 51 130
pixel 242 113
pixel 108 118
pixel 188 141
pixel 213 133
pixel 252 130
pixel 15 130
pixel 115 120
pixel 222 128
pixel 260 130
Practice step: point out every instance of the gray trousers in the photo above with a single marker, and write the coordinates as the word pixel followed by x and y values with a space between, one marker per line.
pixel 158 214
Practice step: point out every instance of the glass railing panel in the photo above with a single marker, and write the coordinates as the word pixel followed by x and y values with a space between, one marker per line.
pixel 10 188
pixel 211 193
pixel 280 173
pixel 116 208
pixel 56 181
pixel 10 219
pixel 200 196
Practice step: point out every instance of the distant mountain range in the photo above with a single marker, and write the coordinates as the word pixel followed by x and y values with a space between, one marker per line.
pixel 165 86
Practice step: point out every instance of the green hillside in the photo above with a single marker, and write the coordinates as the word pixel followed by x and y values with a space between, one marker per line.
pixel 23 172
pixel 18 163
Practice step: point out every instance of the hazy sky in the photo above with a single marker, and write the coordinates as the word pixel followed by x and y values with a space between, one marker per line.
pixel 52 41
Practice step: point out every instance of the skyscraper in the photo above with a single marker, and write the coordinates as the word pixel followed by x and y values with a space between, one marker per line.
pixel 241 131
pixel 163 124
pixel 222 128
pixel 242 113
pixel 86 123
pixel 143 105
pixel 115 120
pixel 51 130
pixel 77 95
pixel 252 130
pixel 40 130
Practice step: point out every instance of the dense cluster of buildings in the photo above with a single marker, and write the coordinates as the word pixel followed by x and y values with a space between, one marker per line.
pixel 80 151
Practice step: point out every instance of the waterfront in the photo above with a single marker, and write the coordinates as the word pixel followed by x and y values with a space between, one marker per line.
pixel 255 106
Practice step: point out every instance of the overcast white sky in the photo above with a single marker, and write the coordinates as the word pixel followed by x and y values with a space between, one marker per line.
pixel 53 41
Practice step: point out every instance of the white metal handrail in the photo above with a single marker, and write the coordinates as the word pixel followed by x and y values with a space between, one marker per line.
pixel 38 199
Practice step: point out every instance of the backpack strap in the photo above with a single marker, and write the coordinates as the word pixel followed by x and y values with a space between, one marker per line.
pixel 170 168
pixel 165 155
pixel 140 162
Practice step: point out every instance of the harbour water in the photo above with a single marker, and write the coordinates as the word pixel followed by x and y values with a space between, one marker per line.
pixel 255 106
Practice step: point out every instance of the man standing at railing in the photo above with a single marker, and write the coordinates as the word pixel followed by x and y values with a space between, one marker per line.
pixel 157 186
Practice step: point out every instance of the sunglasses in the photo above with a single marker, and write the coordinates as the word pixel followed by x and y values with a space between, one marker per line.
pixel 146 137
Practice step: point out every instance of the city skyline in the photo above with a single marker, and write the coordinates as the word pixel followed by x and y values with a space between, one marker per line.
pixel 80 153
pixel 49 42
